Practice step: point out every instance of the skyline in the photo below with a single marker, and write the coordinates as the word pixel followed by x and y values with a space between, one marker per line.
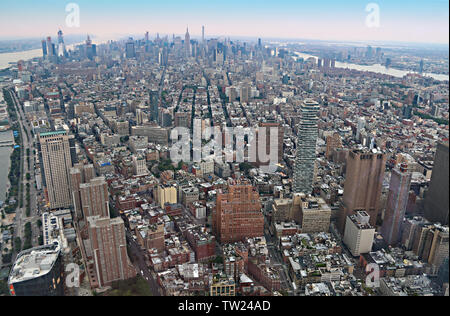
pixel 402 21
pixel 257 166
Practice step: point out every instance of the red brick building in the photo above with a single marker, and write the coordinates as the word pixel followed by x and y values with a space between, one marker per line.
pixel 203 243
pixel 238 214
pixel 268 277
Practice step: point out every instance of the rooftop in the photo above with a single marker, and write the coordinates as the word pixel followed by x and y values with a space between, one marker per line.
pixel 34 263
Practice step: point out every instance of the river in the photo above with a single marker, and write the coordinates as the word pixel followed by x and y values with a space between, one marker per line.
pixel 7 58
pixel 5 163
pixel 377 68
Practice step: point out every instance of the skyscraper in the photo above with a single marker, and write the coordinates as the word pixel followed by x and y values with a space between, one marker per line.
pixel 44 48
pixel 271 144
pixel 436 198
pixel 130 49
pixel 109 251
pixel 359 234
pixel 363 184
pixel 187 43
pixel 306 148
pixel 76 178
pixel 238 214
pixel 360 127
pixel 55 157
pixel 94 198
pixel 203 35
pixel 49 46
pixel 154 105
pixel 396 204
pixel 245 93
pixel 89 48
pixel 61 45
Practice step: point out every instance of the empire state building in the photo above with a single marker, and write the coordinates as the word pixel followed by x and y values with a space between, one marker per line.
pixel 187 43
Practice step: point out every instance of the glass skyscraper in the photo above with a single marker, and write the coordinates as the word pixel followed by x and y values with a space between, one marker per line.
pixel 306 148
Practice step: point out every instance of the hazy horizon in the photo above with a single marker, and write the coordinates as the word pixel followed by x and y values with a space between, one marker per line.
pixel 400 21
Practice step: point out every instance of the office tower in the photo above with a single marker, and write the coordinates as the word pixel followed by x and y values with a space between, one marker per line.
pixel 369 52
pixel 359 234
pixel 363 184
pixel 306 148
pixel 231 92
pixel 443 273
pixel 109 251
pixel 417 99
pixel 147 38
pixel 76 178
pixel 435 110
pixel 333 142
pixel 130 50
pixel 407 111
pixel 139 166
pixel 421 66
pixel 56 161
pixel 187 43
pixel 61 45
pixel 431 244
pixel 319 63
pixel 154 105
pixel 272 144
pixel 396 204
pixel 203 35
pixel 238 214
pixel 360 127
pixel 37 272
pixel 88 47
pixel 378 52
pixel 94 198
pixel 122 127
pixel 312 213
pixel 245 93
pixel 410 228
pixel 44 48
pixel 439 247
pixel 141 117
pixel 165 118
pixel 88 173
pixel 49 46
pixel 436 198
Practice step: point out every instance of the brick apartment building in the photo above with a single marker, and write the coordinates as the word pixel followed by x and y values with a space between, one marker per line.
pixel 238 214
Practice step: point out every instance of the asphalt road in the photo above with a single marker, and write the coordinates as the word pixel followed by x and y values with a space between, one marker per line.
pixel 27 143
pixel 138 259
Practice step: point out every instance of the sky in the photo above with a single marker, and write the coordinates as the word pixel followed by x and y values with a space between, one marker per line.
pixel 415 21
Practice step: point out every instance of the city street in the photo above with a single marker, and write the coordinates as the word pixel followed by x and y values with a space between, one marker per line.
pixel 138 259
pixel 27 143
